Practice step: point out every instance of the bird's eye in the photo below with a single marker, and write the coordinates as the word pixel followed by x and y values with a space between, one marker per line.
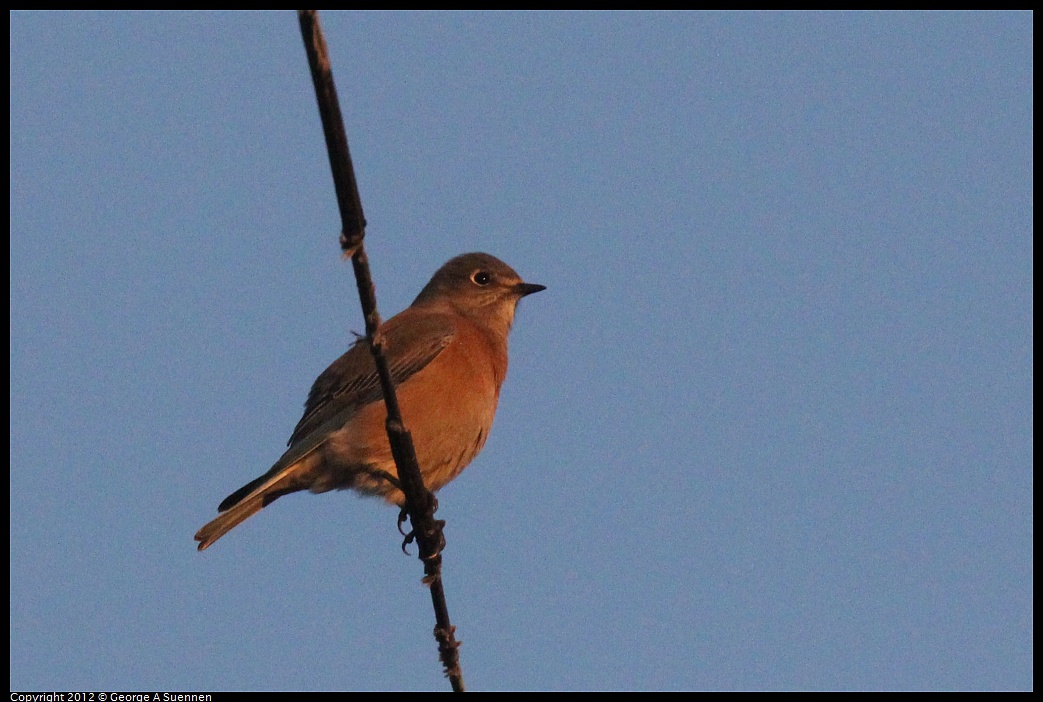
pixel 481 278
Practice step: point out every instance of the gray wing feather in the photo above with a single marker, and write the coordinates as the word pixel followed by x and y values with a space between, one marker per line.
pixel 352 381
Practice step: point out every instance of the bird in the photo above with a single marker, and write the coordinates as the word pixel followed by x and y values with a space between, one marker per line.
pixel 447 354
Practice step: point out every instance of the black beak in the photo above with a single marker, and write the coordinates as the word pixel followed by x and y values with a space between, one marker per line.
pixel 524 289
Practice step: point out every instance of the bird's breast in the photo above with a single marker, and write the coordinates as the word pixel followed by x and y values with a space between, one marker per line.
pixel 449 406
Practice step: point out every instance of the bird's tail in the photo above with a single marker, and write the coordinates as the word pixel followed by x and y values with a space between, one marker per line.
pixel 226 521
pixel 248 501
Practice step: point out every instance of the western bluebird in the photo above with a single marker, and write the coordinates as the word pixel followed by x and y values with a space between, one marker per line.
pixel 448 357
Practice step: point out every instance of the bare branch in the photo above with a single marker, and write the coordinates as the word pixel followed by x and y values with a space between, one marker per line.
pixel 420 502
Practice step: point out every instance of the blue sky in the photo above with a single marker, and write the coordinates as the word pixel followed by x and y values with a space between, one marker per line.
pixel 770 426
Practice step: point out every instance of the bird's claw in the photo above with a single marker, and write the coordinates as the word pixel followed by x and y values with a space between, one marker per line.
pixel 403 515
pixel 410 536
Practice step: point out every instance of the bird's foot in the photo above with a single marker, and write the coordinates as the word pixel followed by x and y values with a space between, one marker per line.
pixel 410 536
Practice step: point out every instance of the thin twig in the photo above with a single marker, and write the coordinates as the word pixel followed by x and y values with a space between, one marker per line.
pixel 420 502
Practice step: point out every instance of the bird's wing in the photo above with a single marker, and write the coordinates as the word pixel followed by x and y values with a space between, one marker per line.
pixel 410 343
